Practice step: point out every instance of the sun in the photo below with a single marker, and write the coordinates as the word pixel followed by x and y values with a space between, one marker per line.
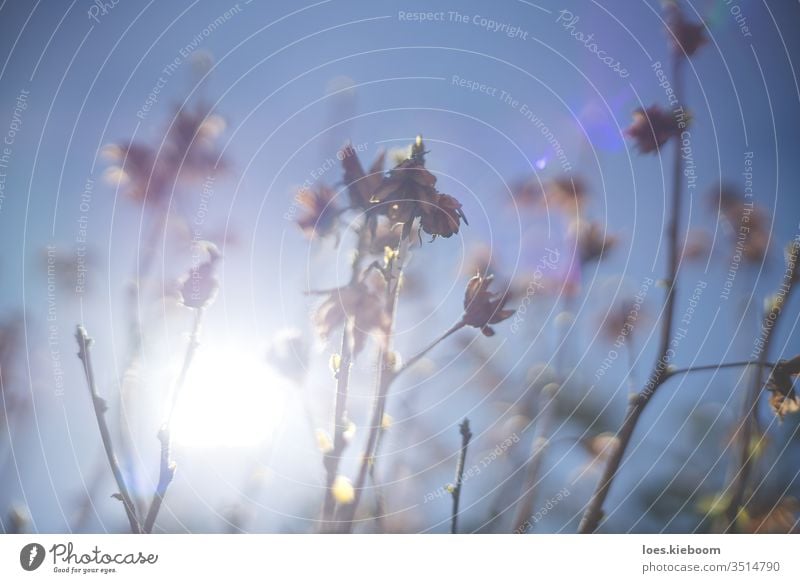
pixel 231 399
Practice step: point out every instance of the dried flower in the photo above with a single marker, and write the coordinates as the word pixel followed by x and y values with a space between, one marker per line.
pixel 747 222
pixel 652 128
pixel 188 151
pixel 191 138
pixel 686 37
pixel 321 213
pixel 359 306
pixel 528 191
pixel 482 307
pixel 444 217
pixel 343 491
pixel 199 288
pixel 784 399
pixel 135 169
pixel 409 192
pixel 360 185
pixel 592 239
pixel 567 193
pixel 622 317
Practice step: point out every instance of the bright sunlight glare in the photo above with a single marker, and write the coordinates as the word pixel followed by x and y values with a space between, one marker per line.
pixel 231 399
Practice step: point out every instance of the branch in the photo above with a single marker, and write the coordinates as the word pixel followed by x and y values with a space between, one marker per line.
pixel 332 459
pixel 100 408
pixel 466 435
pixel 417 357
pixel 744 461
pixel 525 510
pixel 594 510
pixel 383 383
pixel 715 367
pixel 167 465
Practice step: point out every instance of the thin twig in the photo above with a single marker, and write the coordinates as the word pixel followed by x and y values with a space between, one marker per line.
pixel 332 459
pixel 417 357
pixel 525 510
pixel 466 435
pixel 594 510
pixel 166 463
pixel 380 501
pixel 744 454
pixel 385 375
pixel 100 408
pixel 737 364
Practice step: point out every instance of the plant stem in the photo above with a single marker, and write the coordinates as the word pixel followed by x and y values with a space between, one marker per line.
pixel 418 356
pixel 385 375
pixel 745 430
pixel 100 408
pixel 466 435
pixel 594 510
pixel 525 511
pixel 167 464
pixel 332 459
pixel 737 364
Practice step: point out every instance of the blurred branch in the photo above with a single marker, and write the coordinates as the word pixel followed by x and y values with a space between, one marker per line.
pixel 167 464
pixel 386 362
pixel 715 367
pixel 332 458
pixel 749 421
pixel 417 357
pixel 100 408
pixel 466 435
pixel 594 510
pixel 540 443
pixel 143 265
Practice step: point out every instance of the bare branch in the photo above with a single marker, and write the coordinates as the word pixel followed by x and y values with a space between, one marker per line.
pixel 100 408
pixel 466 435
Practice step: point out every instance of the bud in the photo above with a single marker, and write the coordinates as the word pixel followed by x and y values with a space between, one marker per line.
pixel 342 490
